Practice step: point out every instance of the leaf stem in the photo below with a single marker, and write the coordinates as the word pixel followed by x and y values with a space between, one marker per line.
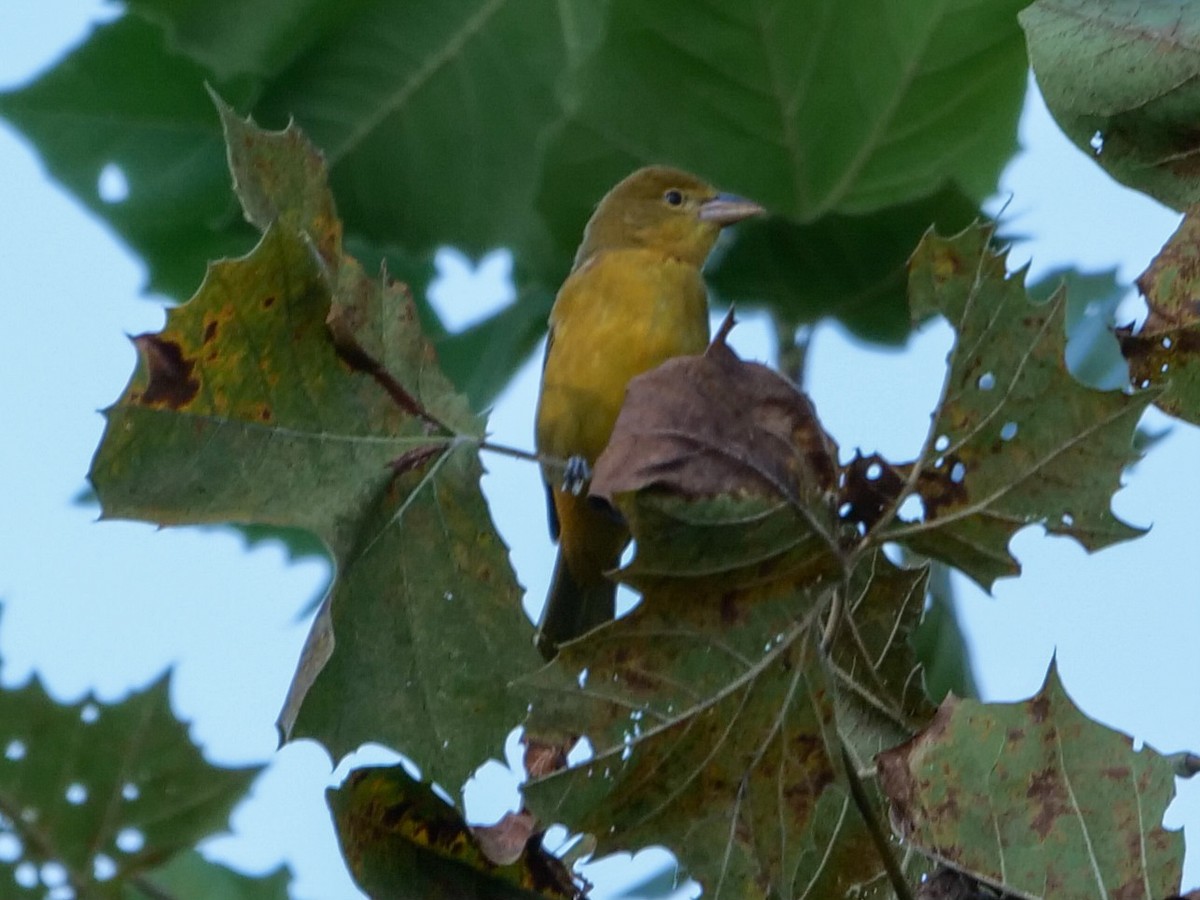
pixel 556 463
pixel 882 846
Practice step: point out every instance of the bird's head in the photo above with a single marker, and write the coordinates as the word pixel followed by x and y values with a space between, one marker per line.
pixel 663 209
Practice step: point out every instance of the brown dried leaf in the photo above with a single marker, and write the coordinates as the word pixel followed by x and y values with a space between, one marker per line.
pixel 504 842
pixel 712 425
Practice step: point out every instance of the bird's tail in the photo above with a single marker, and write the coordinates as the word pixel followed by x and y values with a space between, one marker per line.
pixel 573 606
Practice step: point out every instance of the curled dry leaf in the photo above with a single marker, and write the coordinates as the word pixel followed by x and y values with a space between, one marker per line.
pixel 712 425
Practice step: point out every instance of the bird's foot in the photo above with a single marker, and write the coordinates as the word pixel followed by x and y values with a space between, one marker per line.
pixel 576 475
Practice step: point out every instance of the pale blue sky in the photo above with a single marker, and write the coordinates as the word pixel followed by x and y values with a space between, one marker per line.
pixel 108 606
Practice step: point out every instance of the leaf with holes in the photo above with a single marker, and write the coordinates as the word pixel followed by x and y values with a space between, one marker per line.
pixel 1038 799
pixel 108 793
pixel 713 725
pixel 248 407
pixel 1121 81
pixel 1015 440
pixel 1165 351
pixel 402 841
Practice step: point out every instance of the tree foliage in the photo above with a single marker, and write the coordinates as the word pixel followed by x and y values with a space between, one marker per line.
pixel 763 712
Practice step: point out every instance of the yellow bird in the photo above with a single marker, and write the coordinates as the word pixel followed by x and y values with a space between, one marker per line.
pixel 634 299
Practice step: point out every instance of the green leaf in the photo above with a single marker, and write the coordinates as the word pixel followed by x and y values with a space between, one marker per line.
pixel 116 789
pixel 940 643
pixel 189 874
pixel 123 99
pixel 817 110
pixel 851 267
pixel 1093 354
pixel 1015 440
pixel 403 842
pixel 1123 82
pixel 880 685
pixel 249 408
pixel 1037 799
pixel 712 722
pixel 245 37
pixel 1165 351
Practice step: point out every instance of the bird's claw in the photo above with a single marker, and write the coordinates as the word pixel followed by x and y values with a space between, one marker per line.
pixel 576 474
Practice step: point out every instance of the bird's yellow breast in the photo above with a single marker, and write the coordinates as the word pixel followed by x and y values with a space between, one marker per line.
pixel 622 313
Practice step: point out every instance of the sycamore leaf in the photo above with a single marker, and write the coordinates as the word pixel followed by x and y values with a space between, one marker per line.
pixel 1165 351
pixel 940 643
pixel 724 475
pixel 713 725
pixel 109 792
pixel 189 874
pixel 1123 81
pixel 880 685
pixel 1037 799
pixel 248 407
pixel 852 267
pixel 402 841
pixel 1015 440
pixel 815 109
pixel 1093 354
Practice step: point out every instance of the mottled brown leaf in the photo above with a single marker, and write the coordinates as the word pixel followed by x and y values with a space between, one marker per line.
pixel 712 425
pixel 1165 351
pixel 1036 799
pixel 402 841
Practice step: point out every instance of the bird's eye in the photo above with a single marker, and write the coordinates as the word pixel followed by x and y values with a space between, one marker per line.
pixel 673 198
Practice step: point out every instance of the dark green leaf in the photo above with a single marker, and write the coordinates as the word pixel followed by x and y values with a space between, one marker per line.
pixel 851 267
pixel 402 842
pixel 814 109
pixel 713 726
pixel 108 791
pixel 190 875
pixel 123 99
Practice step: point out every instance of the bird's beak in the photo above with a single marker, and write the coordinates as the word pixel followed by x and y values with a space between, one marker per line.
pixel 725 209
